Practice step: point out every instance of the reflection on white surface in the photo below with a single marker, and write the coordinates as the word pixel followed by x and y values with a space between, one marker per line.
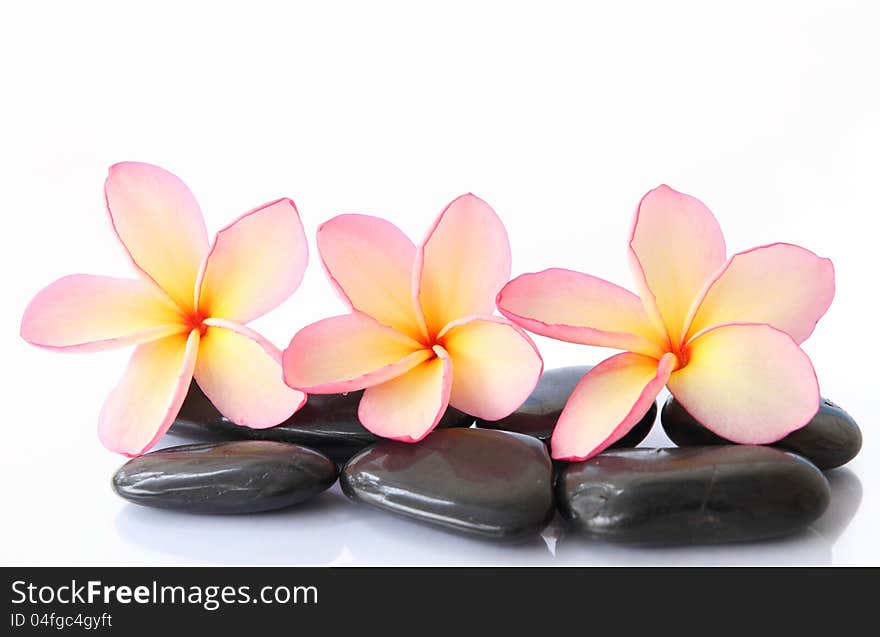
pixel 331 530
pixel 846 496
pixel 306 535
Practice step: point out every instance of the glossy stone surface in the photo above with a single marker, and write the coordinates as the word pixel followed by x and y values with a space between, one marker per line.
pixel 227 477
pixel 538 415
pixel 489 483
pixel 328 423
pixel 831 439
pixel 692 495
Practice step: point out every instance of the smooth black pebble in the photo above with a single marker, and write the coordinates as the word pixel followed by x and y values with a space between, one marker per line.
pixel 493 484
pixel 538 415
pixel 692 495
pixel 328 423
pixel 228 477
pixel 831 439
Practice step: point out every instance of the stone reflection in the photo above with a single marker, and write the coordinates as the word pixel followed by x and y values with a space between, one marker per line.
pixel 377 537
pixel 846 497
pixel 312 533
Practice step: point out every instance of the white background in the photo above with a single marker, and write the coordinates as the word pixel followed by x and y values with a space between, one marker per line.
pixel 560 115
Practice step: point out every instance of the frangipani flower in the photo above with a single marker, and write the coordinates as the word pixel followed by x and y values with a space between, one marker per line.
pixel 186 312
pixel 722 335
pixel 421 335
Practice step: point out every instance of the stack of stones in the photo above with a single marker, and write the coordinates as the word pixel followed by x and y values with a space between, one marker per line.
pixel 496 479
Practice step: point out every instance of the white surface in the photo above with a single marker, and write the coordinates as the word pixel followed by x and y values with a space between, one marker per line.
pixel 561 115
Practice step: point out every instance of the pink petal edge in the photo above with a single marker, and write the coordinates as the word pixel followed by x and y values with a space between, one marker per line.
pixel 563 297
pixel 379 399
pixel 165 239
pixel 369 262
pixel 124 405
pixel 804 313
pixel 753 371
pixel 641 406
pixel 496 372
pixel 255 263
pixel 687 249
pixel 90 313
pixel 242 386
pixel 381 353
pixel 479 256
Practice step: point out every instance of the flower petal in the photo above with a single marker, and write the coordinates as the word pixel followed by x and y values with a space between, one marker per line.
pixel 496 366
pixel 83 312
pixel 579 308
pixel 160 224
pixel 240 373
pixel 370 262
pixel 256 263
pixel 347 353
pixel 783 285
pixel 462 264
pixel 142 407
pixel 607 403
pixel 408 407
pixel 750 384
pixel 676 247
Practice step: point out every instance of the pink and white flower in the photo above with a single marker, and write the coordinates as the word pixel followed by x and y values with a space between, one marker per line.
pixel 722 334
pixel 421 334
pixel 186 312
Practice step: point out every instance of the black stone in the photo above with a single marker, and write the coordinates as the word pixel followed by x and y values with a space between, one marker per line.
pixel 831 439
pixel 493 484
pixel 227 477
pixel 328 423
pixel 692 495
pixel 538 415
